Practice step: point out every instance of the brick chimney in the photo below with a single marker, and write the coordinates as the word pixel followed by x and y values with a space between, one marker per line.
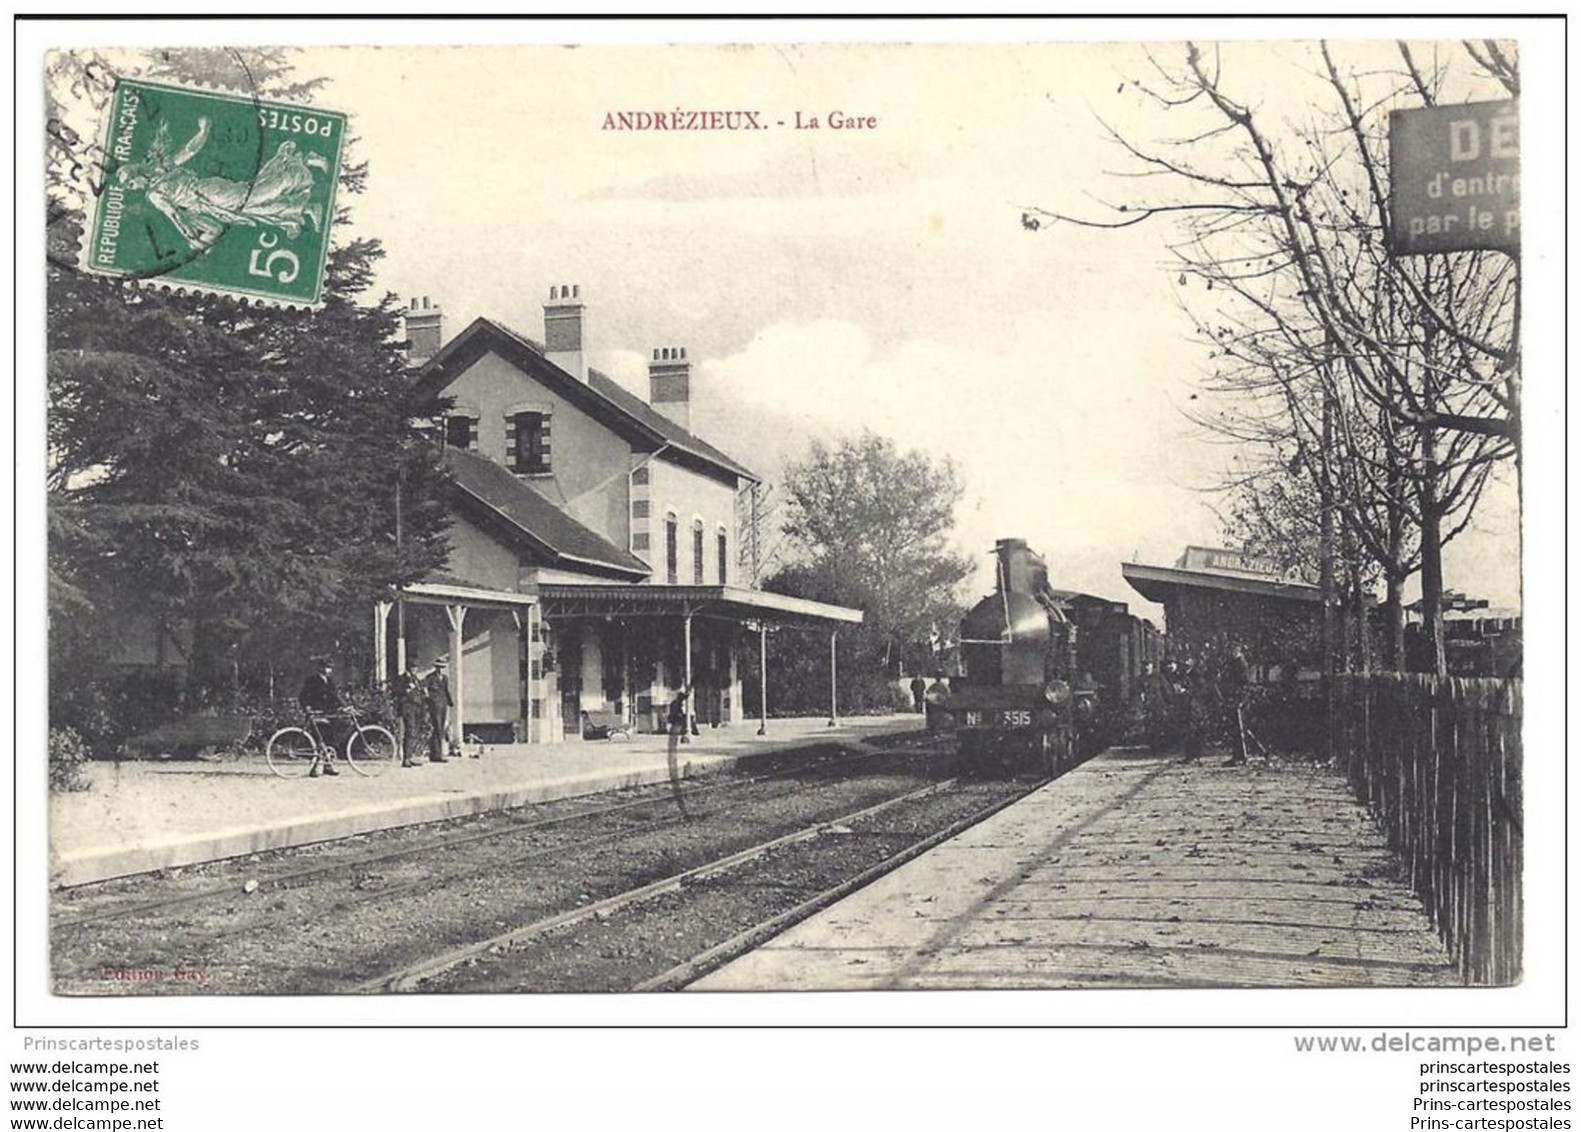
pixel 563 343
pixel 425 331
pixel 670 384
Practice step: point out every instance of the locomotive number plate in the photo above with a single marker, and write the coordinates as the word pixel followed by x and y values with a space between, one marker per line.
pixel 997 717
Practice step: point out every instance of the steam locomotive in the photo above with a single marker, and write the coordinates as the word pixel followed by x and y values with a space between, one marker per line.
pixel 1049 677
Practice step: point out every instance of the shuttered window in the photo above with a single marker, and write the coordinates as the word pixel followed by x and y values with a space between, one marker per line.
pixel 697 552
pixel 527 448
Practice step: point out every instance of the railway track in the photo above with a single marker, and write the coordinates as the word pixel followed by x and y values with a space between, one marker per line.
pixel 410 976
pixel 516 960
pixel 748 939
pixel 511 828
pixel 309 929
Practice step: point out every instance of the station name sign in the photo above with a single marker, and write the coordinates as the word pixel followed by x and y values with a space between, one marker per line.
pixel 1455 178
pixel 1216 558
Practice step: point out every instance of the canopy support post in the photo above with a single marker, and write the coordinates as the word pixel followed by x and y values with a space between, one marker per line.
pixel 457 616
pixel 834 717
pixel 686 628
pixel 381 642
pixel 763 678
pixel 400 633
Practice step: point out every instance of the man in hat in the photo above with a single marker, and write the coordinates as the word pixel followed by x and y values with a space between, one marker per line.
pixel 411 704
pixel 321 703
pixel 678 718
pixel 436 689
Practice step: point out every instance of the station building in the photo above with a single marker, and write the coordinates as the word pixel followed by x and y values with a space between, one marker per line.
pixel 593 565
pixel 1214 597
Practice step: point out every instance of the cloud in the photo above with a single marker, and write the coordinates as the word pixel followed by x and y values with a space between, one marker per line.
pixel 1061 435
pixel 1049 447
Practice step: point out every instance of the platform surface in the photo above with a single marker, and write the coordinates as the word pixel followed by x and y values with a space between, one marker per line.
pixel 154 814
pixel 1133 870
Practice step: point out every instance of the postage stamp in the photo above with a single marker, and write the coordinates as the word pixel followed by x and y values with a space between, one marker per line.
pixel 218 192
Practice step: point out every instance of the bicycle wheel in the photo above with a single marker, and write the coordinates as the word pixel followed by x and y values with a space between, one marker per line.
pixel 371 750
pixel 291 752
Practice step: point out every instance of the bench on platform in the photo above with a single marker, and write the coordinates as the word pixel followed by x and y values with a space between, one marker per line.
pixel 604 725
pixel 190 737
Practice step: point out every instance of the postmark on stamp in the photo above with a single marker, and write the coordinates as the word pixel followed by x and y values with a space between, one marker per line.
pixel 216 192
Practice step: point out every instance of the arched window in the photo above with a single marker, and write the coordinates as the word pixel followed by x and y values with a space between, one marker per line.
pixel 672 551
pixel 722 545
pixel 697 552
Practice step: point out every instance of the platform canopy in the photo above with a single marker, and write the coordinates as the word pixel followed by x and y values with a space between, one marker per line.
pixel 447 593
pixel 751 609
pixel 731 603
pixel 1160 583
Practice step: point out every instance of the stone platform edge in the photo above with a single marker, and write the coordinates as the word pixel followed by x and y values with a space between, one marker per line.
pixel 92 865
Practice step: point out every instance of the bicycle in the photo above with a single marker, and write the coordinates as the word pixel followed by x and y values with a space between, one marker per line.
pixel 293 751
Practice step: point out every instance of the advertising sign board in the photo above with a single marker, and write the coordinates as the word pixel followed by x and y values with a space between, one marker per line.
pixel 1455 178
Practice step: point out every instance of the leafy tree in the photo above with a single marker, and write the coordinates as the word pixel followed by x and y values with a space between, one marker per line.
pixel 224 468
pixel 868 526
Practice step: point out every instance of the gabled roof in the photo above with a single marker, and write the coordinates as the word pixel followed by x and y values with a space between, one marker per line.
pixel 673 434
pixel 534 520
pixel 600 396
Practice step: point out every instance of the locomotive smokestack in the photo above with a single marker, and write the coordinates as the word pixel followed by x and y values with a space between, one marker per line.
pixel 1020 567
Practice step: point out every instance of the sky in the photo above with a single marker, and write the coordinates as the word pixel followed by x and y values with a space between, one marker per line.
pixel 825 281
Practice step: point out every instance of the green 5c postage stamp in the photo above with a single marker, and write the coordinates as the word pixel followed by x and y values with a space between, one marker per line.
pixel 216 192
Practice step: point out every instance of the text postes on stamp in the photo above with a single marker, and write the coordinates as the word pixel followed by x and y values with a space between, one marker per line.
pixel 218 192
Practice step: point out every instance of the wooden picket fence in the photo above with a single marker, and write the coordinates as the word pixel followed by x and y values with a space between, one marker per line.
pixel 1439 762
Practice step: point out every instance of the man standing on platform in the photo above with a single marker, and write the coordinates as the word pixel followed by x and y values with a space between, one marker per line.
pixel 1196 710
pixel 321 703
pixel 1234 684
pixel 436 690
pixel 410 707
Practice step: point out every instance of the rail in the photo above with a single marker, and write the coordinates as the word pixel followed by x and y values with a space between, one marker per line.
pixel 429 848
pixel 1438 759
pixel 411 977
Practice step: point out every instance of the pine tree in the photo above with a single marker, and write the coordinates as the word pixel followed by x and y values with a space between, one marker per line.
pixel 225 468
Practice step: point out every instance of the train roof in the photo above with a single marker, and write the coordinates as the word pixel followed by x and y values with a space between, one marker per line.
pixel 1079 598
